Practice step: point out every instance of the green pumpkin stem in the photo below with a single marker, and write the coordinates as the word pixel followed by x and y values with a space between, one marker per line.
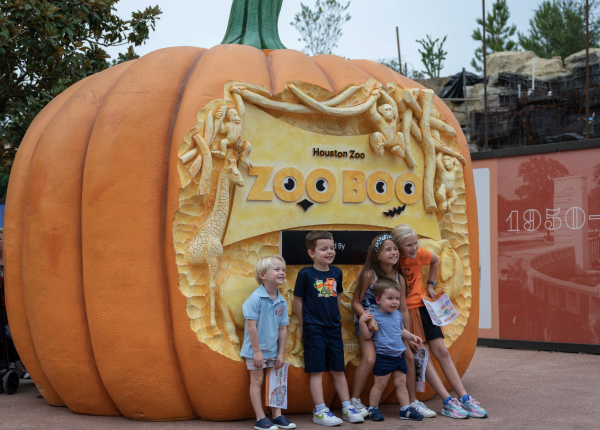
pixel 254 23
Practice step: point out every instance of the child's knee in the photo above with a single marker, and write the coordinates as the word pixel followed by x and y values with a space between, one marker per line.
pixel 369 360
pixel 442 354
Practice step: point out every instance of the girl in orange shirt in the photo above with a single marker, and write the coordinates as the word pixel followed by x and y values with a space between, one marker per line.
pixel 412 260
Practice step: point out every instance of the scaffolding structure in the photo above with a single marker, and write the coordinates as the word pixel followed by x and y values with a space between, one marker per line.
pixel 554 112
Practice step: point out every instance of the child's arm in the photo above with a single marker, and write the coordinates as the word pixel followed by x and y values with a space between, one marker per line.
pixel 362 322
pixel 298 310
pixel 409 336
pixel 282 340
pixel 253 335
pixel 434 267
pixel 359 292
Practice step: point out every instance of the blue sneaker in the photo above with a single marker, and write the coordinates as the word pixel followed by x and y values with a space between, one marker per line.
pixel 473 408
pixel 454 409
pixel 264 424
pixel 410 413
pixel 375 414
pixel 283 423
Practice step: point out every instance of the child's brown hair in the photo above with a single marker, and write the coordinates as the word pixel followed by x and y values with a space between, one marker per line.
pixel 382 284
pixel 373 265
pixel 313 236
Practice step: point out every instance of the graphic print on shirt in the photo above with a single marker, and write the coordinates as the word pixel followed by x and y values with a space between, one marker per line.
pixel 327 288
pixel 410 278
pixel 279 312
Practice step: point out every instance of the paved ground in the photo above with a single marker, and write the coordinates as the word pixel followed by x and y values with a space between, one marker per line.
pixel 520 389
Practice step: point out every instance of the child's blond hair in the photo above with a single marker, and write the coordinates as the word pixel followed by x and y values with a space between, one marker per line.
pixel 401 232
pixel 264 264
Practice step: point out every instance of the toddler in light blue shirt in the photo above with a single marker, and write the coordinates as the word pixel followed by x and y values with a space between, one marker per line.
pixel 389 348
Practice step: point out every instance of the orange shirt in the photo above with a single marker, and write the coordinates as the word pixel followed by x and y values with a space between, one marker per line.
pixel 411 267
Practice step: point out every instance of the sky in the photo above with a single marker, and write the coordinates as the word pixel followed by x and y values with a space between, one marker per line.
pixel 370 34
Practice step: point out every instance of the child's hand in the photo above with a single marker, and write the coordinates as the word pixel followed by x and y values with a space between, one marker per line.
pixel 431 291
pixel 366 318
pixel 258 360
pixel 280 361
pixel 418 341
pixel 372 325
pixel 412 345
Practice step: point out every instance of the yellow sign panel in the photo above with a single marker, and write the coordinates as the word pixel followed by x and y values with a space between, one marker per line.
pixel 302 178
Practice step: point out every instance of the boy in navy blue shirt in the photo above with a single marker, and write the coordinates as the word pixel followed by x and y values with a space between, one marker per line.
pixel 265 335
pixel 316 303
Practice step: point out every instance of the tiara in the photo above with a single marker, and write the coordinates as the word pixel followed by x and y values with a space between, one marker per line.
pixel 381 240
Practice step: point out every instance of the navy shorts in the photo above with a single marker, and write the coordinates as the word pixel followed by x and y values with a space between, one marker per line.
pixel 323 349
pixel 386 364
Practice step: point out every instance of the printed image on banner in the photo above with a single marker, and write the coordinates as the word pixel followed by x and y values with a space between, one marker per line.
pixel 276 390
pixel 421 357
pixel 440 309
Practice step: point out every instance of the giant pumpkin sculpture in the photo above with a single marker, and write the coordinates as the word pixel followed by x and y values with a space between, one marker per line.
pixel 142 196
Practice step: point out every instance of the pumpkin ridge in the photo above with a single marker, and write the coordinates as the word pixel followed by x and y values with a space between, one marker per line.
pixel 16 305
pixel 58 163
pixel 164 217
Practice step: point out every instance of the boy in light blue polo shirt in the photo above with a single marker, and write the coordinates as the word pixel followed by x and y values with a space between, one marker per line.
pixel 265 335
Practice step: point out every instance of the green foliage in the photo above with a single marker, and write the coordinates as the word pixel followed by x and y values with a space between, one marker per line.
pixel 47 46
pixel 4 176
pixel 321 28
pixel 558 28
pixel 432 57
pixel 497 33
pixel 407 69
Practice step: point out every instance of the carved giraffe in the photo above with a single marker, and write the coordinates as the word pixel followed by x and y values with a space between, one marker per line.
pixel 206 248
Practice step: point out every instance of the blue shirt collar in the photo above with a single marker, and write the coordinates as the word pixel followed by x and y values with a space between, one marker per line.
pixel 262 292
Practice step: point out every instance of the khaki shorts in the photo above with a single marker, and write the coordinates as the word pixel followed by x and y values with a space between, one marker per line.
pixel 270 362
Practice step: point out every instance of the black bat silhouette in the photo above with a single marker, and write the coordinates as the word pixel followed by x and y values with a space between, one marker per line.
pixel 395 211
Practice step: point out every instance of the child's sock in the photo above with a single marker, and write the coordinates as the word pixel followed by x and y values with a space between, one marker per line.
pixel 447 400
pixel 319 407
pixel 464 398
pixel 345 404
pixel 403 408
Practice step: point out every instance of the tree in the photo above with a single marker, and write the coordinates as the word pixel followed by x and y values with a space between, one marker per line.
pixel 407 69
pixel 47 46
pixel 497 33
pixel 537 190
pixel 321 28
pixel 431 57
pixel 558 28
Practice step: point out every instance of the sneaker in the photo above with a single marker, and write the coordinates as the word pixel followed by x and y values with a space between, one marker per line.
pixel 350 415
pixel 410 413
pixel 454 409
pixel 264 424
pixel 422 409
pixel 375 414
pixel 473 408
pixel 326 418
pixel 283 423
pixel 360 408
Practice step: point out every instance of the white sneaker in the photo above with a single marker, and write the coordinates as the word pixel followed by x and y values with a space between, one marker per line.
pixel 326 418
pixel 350 415
pixel 360 408
pixel 422 409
